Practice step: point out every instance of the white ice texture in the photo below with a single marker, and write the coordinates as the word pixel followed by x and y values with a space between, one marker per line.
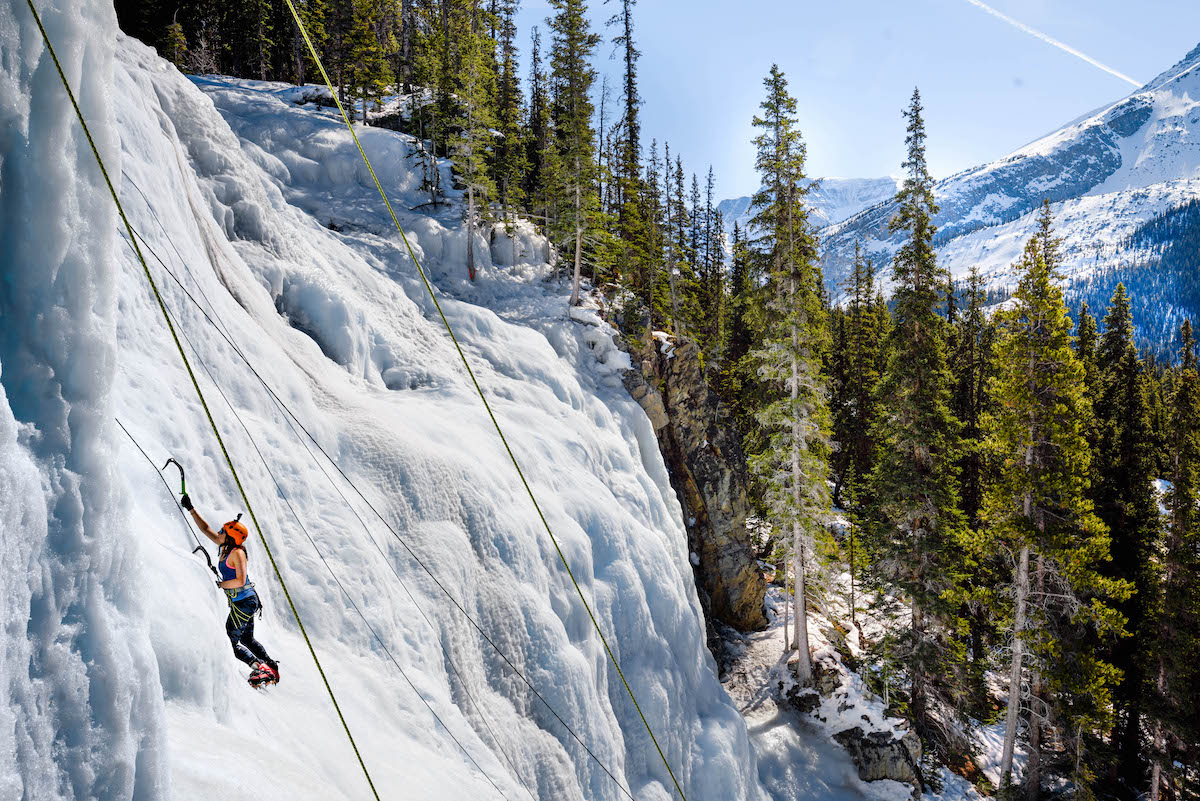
pixel 118 680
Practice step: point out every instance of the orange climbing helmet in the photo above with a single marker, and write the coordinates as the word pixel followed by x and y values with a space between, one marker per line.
pixel 235 531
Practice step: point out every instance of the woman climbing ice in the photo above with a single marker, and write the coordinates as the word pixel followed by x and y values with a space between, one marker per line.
pixel 243 600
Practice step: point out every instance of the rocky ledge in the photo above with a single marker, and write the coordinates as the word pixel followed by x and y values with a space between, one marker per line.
pixel 708 471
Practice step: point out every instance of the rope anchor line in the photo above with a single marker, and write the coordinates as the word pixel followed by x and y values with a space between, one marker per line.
pixel 294 422
pixel 195 384
pixel 471 373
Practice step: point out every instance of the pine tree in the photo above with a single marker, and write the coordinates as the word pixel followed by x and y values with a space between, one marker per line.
pixel 1038 508
pixel 684 308
pixel 865 334
pixel 919 525
pixel 1174 708
pixel 367 69
pixel 1124 500
pixel 656 241
pixel 572 75
pixel 177 49
pixel 545 175
pixel 473 146
pixel 510 153
pixel 740 334
pixel 313 13
pixel 794 467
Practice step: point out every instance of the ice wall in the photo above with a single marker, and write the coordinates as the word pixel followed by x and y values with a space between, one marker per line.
pixel 81 715
pixel 123 685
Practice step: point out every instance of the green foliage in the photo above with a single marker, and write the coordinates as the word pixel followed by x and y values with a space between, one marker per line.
pixel 1040 499
pixel 918 531
pixel 176 45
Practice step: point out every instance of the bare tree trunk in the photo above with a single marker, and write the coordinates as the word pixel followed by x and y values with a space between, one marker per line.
pixel 406 53
pixel 578 235
pixel 804 665
pixel 853 603
pixel 471 231
pixel 1033 768
pixel 787 600
pixel 298 51
pixel 1014 678
pixel 1159 742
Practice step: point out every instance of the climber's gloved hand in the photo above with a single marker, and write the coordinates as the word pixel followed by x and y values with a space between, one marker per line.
pixel 186 502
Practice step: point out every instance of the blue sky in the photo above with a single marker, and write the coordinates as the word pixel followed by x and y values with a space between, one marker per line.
pixel 988 87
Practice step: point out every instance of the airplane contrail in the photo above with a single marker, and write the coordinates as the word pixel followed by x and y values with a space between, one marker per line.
pixel 1052 41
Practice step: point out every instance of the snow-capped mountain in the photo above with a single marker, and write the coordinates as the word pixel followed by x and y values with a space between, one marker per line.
pixel 1105 174
pixel 830 201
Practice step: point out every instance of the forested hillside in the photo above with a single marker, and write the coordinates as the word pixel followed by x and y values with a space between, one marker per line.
pixel 1011 483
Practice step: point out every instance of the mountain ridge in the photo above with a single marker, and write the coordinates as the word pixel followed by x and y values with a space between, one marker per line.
pixel 1105 174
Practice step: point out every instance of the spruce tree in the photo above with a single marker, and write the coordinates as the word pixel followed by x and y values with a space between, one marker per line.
pixel 865 334
pixel 794 466
pixel 510 161
pixel 1124 499
pixel 1174 709
pixel 473 145
pixel 740 337
pixel 572 76
pixel 545 177
pixel 919 527
pixel 1038 509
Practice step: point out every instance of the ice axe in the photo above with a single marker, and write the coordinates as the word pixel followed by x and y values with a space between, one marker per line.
pixel 183 491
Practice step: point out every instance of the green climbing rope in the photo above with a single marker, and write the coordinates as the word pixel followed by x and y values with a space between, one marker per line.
pixel 162 307
pixel 429 288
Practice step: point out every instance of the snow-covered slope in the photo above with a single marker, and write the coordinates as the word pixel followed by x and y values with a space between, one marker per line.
pixel 117 677
pixel 1104 174
pixel 830 201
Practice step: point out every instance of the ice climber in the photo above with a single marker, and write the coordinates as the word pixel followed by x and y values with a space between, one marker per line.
pixel 243 600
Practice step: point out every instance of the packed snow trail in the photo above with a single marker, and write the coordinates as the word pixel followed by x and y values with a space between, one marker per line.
pixel 118 679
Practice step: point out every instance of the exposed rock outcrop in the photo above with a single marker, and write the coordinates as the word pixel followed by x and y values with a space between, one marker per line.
pixel 886 749
pixel 708 471
pixel 884 755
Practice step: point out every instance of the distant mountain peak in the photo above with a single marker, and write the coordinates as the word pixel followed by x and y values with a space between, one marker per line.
pixel 831 200
pixel 1104 174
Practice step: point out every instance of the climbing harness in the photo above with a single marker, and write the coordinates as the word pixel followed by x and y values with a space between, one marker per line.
pixel 471 373
pixel 228 459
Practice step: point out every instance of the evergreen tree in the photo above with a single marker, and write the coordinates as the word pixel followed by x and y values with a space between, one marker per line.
pixel 572 76
pixel 740 336
pixel 545 175
pixel 176 42
pixel 919 541
pixel 473 146
pixel 1174 709
pixel 510 160
pixel 1039 510
pixel 794 466
pixel 656 239
pixel 865 335
pixel 367 69
pixel 1124 500
pixel 684 291
pixel 632 201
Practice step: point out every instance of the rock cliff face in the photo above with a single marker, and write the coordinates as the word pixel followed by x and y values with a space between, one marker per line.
pixel 708 471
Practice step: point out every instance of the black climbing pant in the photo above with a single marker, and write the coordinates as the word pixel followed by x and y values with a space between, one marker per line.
pixel 240 628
